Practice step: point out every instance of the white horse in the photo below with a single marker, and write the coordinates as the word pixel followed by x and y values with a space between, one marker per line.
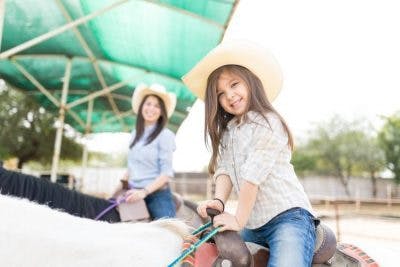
pixel 35 235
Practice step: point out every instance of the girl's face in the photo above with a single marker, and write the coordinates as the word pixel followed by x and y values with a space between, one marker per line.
pixel 232 93
pixel 151 110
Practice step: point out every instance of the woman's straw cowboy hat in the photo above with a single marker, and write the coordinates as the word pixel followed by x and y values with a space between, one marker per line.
pixel 237 52
pixel 143 90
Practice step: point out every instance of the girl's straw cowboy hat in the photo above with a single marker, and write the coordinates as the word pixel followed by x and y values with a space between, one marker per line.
pixel 143 90
pixel 237 52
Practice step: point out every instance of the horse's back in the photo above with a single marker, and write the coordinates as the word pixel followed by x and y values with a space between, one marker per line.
pixel 35 235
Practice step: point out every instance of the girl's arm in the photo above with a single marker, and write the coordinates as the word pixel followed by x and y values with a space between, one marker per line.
pixel 223 188
pixel 247 198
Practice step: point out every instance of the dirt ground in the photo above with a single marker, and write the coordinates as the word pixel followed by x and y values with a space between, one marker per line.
pixel 375 228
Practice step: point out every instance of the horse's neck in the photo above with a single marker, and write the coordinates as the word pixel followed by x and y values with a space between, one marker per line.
pixel 39 236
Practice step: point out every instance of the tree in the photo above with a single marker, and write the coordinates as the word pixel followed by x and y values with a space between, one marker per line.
pixel 344 149
pixel 389 140
pixel 304 161
pixel 27 131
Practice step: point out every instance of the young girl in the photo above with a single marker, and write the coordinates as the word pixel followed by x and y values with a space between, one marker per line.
pixel 251 151
pixel 151 149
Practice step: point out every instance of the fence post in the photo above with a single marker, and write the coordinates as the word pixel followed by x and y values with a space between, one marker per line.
pixel 209 188
pixel 184 185
pixel 389 195
pixel 327 200
pixel 358 202
pixel 337 220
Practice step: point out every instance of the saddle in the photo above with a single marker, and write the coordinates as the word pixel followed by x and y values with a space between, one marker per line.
pixel 132 211
pixel 228 246
pixel 137 211
pixel 325 247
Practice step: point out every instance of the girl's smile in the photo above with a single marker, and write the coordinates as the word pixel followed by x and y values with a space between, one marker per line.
pixel 233 93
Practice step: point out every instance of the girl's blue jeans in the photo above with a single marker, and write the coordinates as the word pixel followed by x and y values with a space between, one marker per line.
pixel 161 204
pixel 290 237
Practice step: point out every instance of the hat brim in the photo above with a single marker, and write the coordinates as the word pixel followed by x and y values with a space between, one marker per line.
pixel 169 99
pixel 249 55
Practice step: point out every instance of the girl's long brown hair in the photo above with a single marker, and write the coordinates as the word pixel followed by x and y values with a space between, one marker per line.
pixel 216 118
pixel 161 122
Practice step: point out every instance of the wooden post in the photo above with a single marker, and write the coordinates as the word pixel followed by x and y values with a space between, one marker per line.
pixel 358 202
pixel 60 127
pixel 327 202
pixel 389 195
pixel 2 12
pixel 57 31
pixel 184 185
pixel 87 131
pixel 209 192
pixel 337 221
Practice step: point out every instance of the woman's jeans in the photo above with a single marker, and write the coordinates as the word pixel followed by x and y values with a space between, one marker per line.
pixel 290 237
pixel 161 204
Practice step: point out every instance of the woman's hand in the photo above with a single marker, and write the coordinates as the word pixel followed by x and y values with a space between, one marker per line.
pixel 135 195
pixel 214 204
pixel 227 222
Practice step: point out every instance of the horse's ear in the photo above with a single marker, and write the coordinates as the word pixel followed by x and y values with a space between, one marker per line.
pixel 125 184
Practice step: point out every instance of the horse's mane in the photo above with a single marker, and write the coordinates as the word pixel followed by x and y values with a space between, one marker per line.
pixel 36 235
pixel 54 195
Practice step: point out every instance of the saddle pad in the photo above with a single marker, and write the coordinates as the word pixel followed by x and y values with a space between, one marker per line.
pixel 363 259
pixel 204 256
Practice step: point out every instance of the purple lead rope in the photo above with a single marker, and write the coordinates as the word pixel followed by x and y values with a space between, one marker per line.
pixel 114 203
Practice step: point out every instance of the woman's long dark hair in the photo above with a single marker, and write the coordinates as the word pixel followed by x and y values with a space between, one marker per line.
pixel 161 122
pixel 216 118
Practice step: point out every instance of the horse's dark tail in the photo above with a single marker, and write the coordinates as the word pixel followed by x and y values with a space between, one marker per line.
pixel 54 195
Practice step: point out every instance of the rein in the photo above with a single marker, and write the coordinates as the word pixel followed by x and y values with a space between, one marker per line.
pixel 114 203
pixel 186 252
pixel 194 246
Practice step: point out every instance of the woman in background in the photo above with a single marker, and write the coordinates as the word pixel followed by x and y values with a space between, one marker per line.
pixel 151 149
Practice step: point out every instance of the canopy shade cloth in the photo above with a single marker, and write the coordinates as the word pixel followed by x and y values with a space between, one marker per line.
pixel 85 57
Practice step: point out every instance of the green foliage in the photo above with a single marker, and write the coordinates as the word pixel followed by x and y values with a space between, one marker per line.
pixel 389 140
pixel 340 148
pixel 304 161
pixel 28 132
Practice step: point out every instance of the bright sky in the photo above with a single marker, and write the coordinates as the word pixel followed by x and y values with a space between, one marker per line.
pixel 338 57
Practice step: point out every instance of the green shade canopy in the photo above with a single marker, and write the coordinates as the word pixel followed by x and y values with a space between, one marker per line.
pixel 101 49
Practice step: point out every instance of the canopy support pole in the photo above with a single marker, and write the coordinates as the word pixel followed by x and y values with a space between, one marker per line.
pixel 58 31
pixel 60 126
pixel 111 119
pixel 36 83
pixel 85 148
pixel 101 92
pixel 186 13
pixel 93 60
pixel 2 12
pixel 228 21
pixel 44 91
